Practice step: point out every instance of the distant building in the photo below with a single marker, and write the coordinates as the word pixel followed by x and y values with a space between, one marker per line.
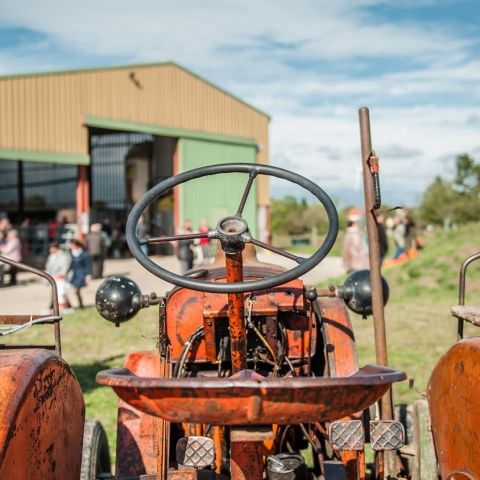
pixel 84 145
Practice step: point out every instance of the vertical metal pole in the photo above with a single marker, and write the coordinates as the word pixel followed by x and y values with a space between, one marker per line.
pixel 236 313
pixel 386 407
pixel 461 289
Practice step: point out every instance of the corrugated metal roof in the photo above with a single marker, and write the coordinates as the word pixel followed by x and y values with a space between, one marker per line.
pixel 129 67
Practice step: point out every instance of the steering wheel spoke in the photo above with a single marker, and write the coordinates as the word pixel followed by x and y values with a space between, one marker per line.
pixel 176 238
pixel 248 186
pixel 278 251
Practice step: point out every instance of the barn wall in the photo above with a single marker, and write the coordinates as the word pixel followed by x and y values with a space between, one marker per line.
pixel 46 112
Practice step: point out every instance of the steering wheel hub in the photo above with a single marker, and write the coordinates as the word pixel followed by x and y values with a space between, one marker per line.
pixel 232 233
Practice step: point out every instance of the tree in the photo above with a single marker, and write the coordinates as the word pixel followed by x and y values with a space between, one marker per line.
pixel 287 216
pixel 457 201
pixel 437 204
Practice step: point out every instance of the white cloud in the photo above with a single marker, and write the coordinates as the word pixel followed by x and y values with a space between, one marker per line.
pixel 296 61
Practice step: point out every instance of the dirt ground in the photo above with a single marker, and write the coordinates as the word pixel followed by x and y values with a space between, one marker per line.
pixel 31 295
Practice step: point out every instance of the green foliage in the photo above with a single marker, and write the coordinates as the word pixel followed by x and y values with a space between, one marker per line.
pixel 293 217
pixel 456 201
pixel 438 202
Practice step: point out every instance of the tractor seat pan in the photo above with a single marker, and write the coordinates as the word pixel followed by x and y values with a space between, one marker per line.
pixel 469 314
pixel 247 398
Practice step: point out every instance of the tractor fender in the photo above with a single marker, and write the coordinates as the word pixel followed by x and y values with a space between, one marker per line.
pixel 452 393
pixel 339 337
pixel 41 416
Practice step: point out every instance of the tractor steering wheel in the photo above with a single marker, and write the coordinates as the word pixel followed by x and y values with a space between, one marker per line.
pixel 233 231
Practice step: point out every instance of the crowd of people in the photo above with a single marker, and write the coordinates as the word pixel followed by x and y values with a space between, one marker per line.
pixel 71 262
pixel 399 230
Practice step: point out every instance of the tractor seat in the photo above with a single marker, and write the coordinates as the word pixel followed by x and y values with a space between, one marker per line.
pixel 469 314
pixel 247 398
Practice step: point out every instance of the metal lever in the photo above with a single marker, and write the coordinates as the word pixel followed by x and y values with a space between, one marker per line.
pixel 374 169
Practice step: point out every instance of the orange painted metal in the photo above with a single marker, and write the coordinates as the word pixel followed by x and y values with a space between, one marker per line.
pixel 341 348
pixel 41 417
pixel 246 460
pixel 453 401
pixel 342 358
pixel 236 313
pixel 139 442
pixel 249 399
pixel 188 309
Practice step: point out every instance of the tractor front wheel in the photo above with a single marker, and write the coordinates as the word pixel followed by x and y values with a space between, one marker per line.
pixel 95 452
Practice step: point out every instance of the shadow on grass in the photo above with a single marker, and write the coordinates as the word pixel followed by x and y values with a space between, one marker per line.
pixel 86 373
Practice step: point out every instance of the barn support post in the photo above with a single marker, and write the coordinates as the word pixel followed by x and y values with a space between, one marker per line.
pixel 83 201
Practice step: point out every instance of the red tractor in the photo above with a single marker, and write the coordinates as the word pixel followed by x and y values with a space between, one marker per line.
pixel 254 375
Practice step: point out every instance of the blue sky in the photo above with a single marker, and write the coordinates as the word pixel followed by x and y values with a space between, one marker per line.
pixel 310 64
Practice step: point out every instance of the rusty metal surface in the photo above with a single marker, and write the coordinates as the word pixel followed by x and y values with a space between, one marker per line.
pixel 41 417
pixel 342 357
pixel 246 457
pixel 248 398
pixel 338 333
pixel 139 440
pixel 285 298
pixel 20 319
pixel 347 435
pixel 371 195
pixel 453 400
pixel 188 309
pixel 236 313
pixel 386 435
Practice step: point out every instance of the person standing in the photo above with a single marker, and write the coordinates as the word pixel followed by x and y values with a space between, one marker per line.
pixel 399 236
pixel 58 264
pixel 142 235
pixel 96 248
pixel 204 242
pixel 354 254
pixel 12 249
pixel 80 269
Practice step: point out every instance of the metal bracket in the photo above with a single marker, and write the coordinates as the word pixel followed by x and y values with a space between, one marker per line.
pixel 195 451
pixel 386 435
pixel 347 435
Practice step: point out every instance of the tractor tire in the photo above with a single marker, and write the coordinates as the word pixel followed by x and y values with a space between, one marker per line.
pixel 95 453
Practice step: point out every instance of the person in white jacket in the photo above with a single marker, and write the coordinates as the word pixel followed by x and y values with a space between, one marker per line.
pixel 58 264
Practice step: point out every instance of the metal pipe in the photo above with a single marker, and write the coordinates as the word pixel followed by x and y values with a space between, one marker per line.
pixel 386 407
pixel 461 288
pixel 53 286
pixel 236 313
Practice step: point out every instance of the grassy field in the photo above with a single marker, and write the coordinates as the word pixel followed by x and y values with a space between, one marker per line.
pixel 419 326
pixel 422 291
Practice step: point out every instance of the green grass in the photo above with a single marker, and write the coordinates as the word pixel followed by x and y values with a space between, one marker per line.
pixel 418 321
pixel 419 325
